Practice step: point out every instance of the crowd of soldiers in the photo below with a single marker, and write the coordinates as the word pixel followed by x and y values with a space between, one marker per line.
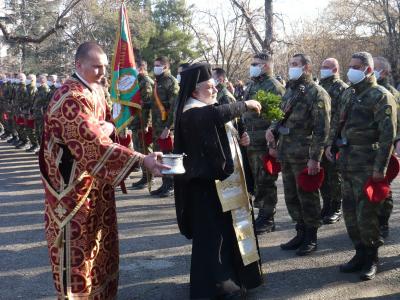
pixel 322 115
pixel 23 102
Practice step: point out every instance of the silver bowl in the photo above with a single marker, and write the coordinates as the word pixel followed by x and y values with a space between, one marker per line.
pixel 175 161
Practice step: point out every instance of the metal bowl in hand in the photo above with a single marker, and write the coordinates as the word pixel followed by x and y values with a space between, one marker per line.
pixel 175 161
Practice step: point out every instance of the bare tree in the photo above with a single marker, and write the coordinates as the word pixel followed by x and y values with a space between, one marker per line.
pixel 59 24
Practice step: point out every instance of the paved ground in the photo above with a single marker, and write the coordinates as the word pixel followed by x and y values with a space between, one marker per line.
pixel 155 259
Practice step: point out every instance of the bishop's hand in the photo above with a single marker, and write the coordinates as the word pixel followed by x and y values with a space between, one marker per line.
pixel 153 164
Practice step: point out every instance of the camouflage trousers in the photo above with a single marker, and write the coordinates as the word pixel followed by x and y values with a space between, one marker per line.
pixel 11 125
pixel 31 134
pixel 360 215
pixel 331 191
pixel 303 207
pixel 265 190
pixel 387 207
pixel 22 132
pixel 39 129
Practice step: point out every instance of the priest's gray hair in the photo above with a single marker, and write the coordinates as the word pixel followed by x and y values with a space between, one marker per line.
pixel 384 62
pixel 200 84
pixel 365 57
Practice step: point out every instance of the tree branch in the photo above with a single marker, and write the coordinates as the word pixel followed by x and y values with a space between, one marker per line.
pixel 26 39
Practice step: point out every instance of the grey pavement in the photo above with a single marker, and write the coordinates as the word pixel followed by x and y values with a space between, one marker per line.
pixel 155 258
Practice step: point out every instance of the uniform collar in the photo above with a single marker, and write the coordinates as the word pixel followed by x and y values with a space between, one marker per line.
pixel 368 82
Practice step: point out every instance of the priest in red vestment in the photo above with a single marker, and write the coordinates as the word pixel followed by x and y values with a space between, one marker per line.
pixel 80 165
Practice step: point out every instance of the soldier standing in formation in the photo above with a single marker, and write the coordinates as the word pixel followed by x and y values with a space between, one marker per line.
pixel 266 198
pixel 367 124
pixel 382 71
pixel 331 187
pixel 301 144
pixel 20 102
pixel 166 89
pixel 3 127
pixel 40 103
pixel 28 113
pixel 143 122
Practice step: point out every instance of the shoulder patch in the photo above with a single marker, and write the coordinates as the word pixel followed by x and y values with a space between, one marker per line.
pixel 388 110
pixel 320 104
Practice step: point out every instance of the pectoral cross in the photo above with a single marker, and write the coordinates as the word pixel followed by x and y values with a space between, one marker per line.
pixel 60 211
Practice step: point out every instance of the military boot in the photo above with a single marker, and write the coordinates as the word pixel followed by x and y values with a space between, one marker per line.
pixel 169 188
pixel 334 215
pixel 142 183
pixel 12 139
pixel 160 189
pixel 326 207
pixel 356 263
pixel 264 223
pixel 370 266
pixel 295 242
pixel 309 243
pixel 18 142
pixel 5 136
pixel 25 145
pixel 33 148
pixel 384 226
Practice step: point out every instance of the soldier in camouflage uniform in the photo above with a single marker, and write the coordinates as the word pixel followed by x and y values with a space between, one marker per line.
pixel 40 106
pixel 166 89
pixel 53 85
pixel 261 73
pixel 366 130
pixel 382 71
pixel 144 120
pixel 21 106
pixel 301 144
pixel 9 95
pixel 32 90
pixel 2 107
pixel 331 188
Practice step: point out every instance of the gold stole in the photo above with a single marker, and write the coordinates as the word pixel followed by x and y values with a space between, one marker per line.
pixel 164 113
pixel 232 193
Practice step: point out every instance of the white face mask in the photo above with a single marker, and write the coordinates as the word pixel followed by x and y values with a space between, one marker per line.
pixel 377 74
pixel 28 82
pixel 49 83
pixel 255 71
pixel 17 81
pixel 295 73
pixel 57 85
pixel 325 73
pixel 356 76
pixel 158 70
pixel 178 77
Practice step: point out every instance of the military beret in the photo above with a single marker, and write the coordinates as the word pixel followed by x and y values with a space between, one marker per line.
pixel 376 191
pixel 271 165
pixel 310 183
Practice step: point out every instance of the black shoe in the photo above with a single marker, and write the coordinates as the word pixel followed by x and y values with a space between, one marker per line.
pixel 309 243
pixel 23 146
pixel 370 266
pixel 356 263
pixel 141 184
pixel 333 217
pixel 158 191
pixel 5 136
pixel 17 143
pixel 264 223
pixel 33 148
pixel 11 140
pixel 167 192
pixel 384 227
pixel 295 242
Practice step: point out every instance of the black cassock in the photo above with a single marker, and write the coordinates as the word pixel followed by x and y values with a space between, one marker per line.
pixel 215 254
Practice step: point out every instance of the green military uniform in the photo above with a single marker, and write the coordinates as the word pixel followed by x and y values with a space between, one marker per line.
pixel 331 187
pixel 387 206
pixel 28 109
pixel 264 183
pixel 2 108
pixel 224 96
pixel 9 92
pixel 21 99
pixel 39 108
pixel 368 113
pixel 167 89
pixel 304 138
pixel 146 92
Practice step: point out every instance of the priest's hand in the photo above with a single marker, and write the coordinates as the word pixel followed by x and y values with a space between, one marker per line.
pixel 253 105
pixel 165 133
pixel 153 164
pixel 313 167
pixel 244 140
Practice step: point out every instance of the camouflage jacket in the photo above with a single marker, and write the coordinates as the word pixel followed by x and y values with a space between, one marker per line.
pixel 21 99
pixel 51 93
pixel 168 90
pixel 41 101
pixel 308 123
pixel 223 95
pixel 146 93
pixel 335 88
pixel 32 90
pixel 255 125
pixel 7 92
pixel 368 117
pixel 385 83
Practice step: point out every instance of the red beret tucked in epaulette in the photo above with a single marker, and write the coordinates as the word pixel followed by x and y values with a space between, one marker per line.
pixel 310 183
pixel 271 165
pixel 148 137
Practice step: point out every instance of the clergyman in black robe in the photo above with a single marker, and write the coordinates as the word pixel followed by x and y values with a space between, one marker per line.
pixel 217 270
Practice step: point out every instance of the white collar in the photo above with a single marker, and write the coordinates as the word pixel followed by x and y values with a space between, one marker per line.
pixel 193 103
